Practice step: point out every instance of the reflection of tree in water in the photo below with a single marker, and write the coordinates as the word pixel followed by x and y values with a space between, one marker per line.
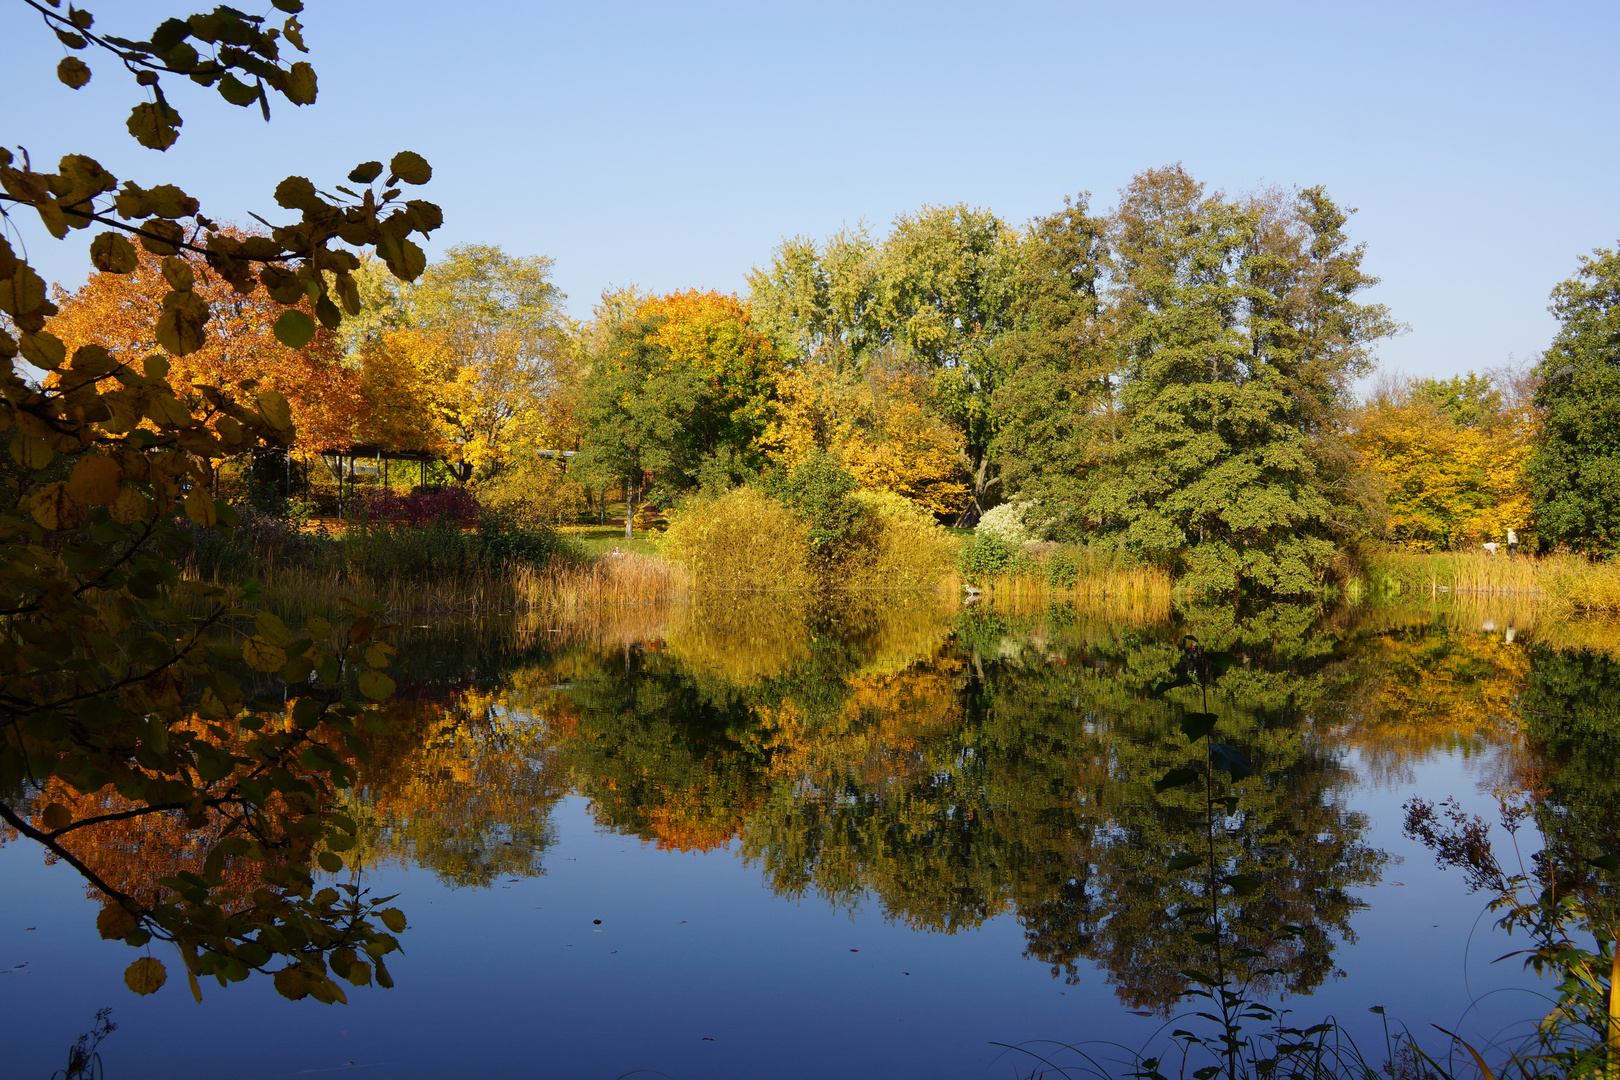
pixel 952 771
pixel 1038 797
pixel 1568 712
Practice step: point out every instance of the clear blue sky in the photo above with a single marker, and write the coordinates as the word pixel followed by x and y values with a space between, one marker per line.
pixel 674 145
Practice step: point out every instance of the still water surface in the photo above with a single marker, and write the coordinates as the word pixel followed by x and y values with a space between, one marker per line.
pixel 745 839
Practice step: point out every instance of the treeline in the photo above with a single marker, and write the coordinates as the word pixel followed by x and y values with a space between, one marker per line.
pixel 1172 380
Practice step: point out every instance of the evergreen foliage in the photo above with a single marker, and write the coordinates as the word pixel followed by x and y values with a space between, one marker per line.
pixel 1574 469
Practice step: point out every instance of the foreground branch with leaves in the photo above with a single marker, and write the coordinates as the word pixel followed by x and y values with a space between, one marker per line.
pixel 130 693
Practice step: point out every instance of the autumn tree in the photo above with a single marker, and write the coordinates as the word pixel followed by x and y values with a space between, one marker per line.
pixel 117 673
pixel 119 312
pixel 468 361
pixel 878 422
pixel 678 392
pixel 1574 469
pixel 1239 334
pixel 1450 456
pixel 935 293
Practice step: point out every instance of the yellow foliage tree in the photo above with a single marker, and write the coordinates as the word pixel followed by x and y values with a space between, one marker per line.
pixel 1451 475
pixel 878 422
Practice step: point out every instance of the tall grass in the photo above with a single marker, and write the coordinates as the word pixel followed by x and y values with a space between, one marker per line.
pixel 577 586
pixel 1566 582
pixel 436 566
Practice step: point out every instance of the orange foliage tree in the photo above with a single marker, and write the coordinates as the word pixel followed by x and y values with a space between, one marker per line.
pixel 119 313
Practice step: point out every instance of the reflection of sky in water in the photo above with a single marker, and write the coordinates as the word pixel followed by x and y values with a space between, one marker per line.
pixel 517 978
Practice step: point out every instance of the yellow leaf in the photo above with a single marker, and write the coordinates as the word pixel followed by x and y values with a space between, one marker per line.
pixel 263 656
pixel 94 481
pixel 378 653
pixel 375 685
pixel 31 453
pixel 54 508
pixel 114 922
pixel 273 407
pixel 42 349
pixel 112 254
pixel 200 508
pixel 130 506
pixel 411 167
pixel 146 975
pixel 393 918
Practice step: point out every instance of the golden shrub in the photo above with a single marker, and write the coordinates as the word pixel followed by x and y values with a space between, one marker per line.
pixel 743 539
pixel 902 547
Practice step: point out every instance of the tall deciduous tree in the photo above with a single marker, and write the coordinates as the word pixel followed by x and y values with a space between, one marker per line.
pixel 678 392
pixel 119 313
pixel 1574 469
pixel 1239 333
pixel 937 291
pixel 1056 409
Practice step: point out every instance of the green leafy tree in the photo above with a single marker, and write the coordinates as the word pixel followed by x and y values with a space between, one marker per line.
pixel 1239 333
pixel 937 292
pixel 128 693
pixel 633 415
pixel 1056 410
pixel 1574 466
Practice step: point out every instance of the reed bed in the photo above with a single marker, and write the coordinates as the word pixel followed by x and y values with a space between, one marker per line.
pixel 628 579
pixel 1565 582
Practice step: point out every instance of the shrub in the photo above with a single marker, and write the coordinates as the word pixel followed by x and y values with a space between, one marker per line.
pixel 743 539
pixel 820 489
pixel 453 505
pixel 1061 569
pixel 984 556
pixel 899 546
pixel 534 495
pixel 1015 523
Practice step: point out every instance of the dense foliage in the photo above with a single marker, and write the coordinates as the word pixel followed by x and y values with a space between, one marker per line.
pixel 129 693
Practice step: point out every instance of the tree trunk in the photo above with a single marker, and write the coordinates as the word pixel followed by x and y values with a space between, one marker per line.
pixel 629 511
pixel 982 483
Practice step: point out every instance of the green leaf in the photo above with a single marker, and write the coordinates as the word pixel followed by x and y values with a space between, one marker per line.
pixel 1182 862
pixel 1197 725
pixel 236 91
pixel 375 685
pixel 393 918
pixel 330 862
pixel 294 329
pixel 366 172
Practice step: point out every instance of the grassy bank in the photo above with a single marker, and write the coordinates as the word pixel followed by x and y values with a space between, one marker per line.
pixel 435 566
pixel 1565 582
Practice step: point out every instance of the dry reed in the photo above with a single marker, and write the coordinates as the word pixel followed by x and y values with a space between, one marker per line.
pixel 1565 582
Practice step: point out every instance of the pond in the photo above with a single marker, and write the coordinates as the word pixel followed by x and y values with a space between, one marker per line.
pixel 887 835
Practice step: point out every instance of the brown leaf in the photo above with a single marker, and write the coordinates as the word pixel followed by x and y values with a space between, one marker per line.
pixel 94 481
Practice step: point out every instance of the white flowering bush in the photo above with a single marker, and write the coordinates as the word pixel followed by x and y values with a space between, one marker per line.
pixel 1014 523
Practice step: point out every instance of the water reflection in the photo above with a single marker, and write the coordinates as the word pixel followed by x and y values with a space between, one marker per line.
pixel 948 766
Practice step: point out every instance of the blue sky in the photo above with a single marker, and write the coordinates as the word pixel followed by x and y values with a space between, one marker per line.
pixel 673 145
